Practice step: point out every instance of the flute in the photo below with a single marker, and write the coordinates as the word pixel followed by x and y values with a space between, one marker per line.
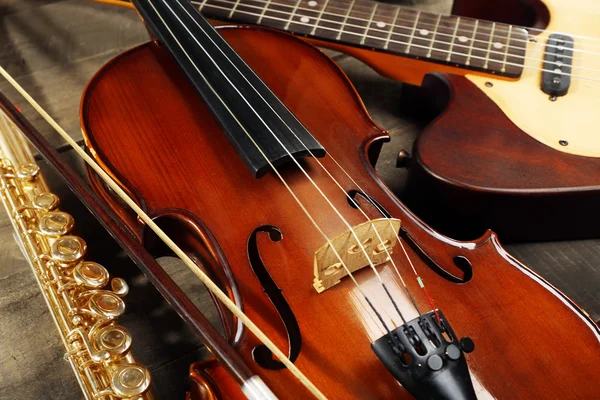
pixel 83 301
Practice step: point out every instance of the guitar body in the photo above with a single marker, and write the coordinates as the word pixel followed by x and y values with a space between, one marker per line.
pixel 472 169
pixel 473 164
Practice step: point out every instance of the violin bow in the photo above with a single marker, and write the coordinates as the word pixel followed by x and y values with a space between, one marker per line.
pixel 251 384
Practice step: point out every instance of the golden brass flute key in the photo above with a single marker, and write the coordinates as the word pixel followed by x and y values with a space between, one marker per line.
pixel 84 302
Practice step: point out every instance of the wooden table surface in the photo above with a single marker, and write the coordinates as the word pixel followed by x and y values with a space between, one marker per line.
pixel 53 48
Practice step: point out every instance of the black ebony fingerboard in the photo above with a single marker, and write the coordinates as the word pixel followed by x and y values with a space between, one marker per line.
pixel 258 125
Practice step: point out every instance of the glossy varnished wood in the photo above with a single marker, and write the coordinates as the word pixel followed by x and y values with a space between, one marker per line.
pixel 146 125
pixel 473 169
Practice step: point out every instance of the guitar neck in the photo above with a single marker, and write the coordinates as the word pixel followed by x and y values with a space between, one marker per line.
pixel 461 42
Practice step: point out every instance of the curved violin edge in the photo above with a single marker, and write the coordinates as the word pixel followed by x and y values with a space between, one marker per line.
pixel 201 239
pixel 587 318
pixel 202 386
pixel 90 146
pixel 194 237
pixel 198 242
pixel 130 221
pixel 468 309
pixel 489 239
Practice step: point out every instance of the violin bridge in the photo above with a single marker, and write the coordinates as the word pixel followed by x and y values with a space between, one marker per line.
pixel 376 236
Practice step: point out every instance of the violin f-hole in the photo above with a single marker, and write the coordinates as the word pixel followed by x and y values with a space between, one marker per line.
pixel 353 194
pixel 261 354
pixel 461 263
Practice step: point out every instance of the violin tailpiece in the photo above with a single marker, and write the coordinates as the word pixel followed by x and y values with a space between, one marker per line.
pixel 425 356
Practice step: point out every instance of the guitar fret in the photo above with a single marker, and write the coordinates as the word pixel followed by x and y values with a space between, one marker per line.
pixel 443 39
pixel 312 32
pixel 453 38
pixel 233 8
pixel 287 25
pixel 487 57
pixel 303 21
pixel 435 30
pixel 412 34
pixel 468 62
pixel 506 49
pixel 462 42
pixel 201 5
pixel 262 14
pixel 362 41
pixel 380 26
pixel 277 13
pixel 246 11
pixel 330 22
pixel 422 41
pixel 345 20
pixel 387 40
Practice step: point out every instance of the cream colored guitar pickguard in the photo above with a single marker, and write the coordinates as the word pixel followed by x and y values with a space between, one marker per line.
pixel 573 119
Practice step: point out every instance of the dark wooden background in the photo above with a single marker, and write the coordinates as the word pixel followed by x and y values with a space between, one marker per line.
pixel 53 48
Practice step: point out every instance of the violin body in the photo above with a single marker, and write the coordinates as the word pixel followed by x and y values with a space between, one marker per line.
pixel 147 127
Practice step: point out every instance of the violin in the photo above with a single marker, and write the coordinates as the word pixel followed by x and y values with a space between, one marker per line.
pixel 250 151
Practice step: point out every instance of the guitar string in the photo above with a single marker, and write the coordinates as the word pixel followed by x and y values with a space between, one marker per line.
pixel 350 228
pixel 468 19
pixel 506 63
pixel 392 33
pixel 369 10
pixel 480 29
pixel 223 297
pixel 358 241
pixel 328 173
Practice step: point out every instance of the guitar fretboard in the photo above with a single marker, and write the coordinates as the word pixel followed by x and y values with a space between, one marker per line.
pixel 463 42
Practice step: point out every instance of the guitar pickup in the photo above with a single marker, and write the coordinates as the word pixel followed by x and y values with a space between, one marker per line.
pixel 558 60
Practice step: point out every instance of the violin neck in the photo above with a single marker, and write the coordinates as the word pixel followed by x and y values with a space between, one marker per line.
pixel 461 42
pixel 259 126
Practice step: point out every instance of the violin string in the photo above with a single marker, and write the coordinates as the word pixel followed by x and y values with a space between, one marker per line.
pixel 451 53
pixel 336 182
pixel 407 290
pixel 204 278
pixel 480 29
pixel 305 210
pixel 314 184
